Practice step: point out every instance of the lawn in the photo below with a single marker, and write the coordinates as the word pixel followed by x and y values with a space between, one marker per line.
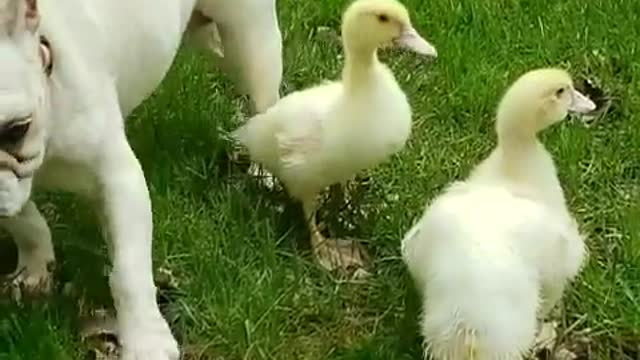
pixel 249 289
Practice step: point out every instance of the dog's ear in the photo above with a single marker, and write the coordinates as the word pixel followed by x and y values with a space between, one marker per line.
pixel 17 16
pixel 31 15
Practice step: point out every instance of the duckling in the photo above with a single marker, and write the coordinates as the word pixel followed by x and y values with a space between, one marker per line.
pixel 326 134
pixel 492 254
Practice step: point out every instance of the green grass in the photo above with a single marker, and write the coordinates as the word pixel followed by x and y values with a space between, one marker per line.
pixel 250 288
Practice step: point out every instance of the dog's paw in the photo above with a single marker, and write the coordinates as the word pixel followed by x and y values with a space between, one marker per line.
pixel 149 340
pixel 30 281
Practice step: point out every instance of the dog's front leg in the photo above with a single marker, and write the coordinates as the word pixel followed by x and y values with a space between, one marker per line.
pixel 35 249
pixel 143 332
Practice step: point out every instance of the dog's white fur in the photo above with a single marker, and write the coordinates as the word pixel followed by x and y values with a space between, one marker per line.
pixel 108 57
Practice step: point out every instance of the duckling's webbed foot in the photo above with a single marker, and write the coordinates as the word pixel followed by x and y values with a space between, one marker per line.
pixel 345 255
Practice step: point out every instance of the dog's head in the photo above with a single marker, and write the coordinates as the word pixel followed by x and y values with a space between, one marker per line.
pixel 25 61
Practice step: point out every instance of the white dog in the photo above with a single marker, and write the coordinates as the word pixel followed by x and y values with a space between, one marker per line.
pixel 70 72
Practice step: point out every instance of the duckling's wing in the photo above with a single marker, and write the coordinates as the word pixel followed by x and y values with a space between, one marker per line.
pixel 301 135
pixel 571 244
pixel 299 141
pixel 289 130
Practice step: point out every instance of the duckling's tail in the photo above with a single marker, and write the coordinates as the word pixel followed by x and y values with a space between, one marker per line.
pixel 251 133
pixel 240 135
pixel 485 321
pixel 257 137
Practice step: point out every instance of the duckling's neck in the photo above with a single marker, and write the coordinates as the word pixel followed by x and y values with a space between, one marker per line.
pixel 517 145
pixel 359 66
pixel 517 140
pixel 524 162
pixel 515 131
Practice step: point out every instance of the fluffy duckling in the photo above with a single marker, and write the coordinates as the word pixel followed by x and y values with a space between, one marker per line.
pixel 493 253
pixel 325 134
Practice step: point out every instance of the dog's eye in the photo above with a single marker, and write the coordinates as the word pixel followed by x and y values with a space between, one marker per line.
pixel 15 131
pixel 383 18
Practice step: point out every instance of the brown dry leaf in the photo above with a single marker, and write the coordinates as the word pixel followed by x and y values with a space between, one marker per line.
pixel 165 279
pixel 553 343
pixel 598 94
pixel 98 328
pixel 99 331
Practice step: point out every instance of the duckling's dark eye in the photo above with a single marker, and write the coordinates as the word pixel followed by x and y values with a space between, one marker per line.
pixel 560 92
pixel 383 18
pixel 15 131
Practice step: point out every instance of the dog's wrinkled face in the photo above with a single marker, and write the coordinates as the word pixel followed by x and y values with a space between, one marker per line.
pixel 22 103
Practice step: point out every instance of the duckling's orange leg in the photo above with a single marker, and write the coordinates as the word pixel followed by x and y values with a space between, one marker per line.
pixel 332 254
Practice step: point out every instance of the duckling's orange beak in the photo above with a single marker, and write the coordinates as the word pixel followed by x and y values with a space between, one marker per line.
pixel 581 103
pixel 410 39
